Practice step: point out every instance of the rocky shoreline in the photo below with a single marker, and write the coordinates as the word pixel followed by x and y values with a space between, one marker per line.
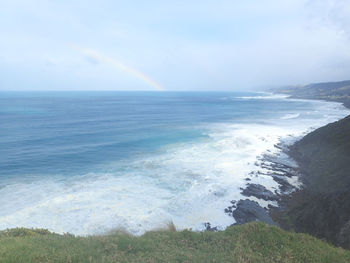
pixel 280 167
pixel 320 205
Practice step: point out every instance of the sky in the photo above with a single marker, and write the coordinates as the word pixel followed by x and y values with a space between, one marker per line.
pixel 172 45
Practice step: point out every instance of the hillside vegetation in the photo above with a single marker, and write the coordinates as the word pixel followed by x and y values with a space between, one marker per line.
pixel 322 208
pixel 324 157
pixel 253 242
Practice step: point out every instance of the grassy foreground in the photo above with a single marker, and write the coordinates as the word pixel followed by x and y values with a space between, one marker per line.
pixel 253 242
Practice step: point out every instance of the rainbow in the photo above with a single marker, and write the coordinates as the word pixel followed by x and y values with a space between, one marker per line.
pixel 120 66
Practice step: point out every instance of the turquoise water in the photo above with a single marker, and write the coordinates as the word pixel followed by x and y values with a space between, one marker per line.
pixel 69 133
pixel 87 162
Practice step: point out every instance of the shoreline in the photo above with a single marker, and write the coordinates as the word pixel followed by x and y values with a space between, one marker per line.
pixel 247 210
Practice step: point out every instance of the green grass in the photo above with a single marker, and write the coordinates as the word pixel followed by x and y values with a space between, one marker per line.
pixel 254 242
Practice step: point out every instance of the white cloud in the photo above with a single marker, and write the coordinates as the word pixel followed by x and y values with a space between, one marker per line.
pixel 330 13
pixel 181 44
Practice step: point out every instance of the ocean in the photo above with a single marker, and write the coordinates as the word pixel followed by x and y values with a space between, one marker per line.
pixel 91 162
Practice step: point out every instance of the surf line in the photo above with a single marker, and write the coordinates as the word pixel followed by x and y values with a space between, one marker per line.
pixel 120 66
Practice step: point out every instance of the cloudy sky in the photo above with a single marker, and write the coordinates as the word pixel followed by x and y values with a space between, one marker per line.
pixel 172 45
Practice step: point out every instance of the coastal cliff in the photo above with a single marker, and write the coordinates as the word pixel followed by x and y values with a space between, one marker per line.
pixel 322 207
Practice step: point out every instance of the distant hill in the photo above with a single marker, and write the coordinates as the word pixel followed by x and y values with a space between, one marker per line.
pixel 332 91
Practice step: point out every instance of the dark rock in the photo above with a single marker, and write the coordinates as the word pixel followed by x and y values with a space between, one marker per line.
pixel 284 185
pixel 230 209
pixel 322 215
pixel 208 227
pixel 343 237
pixel 269 206
pixel 248 211
pixel 259 191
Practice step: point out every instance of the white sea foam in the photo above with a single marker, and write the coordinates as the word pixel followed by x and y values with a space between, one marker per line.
pixel 265 97
pixel 188 183
pixel 290 116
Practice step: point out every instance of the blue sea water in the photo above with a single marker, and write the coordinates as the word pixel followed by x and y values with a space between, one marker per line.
pixel 89 162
